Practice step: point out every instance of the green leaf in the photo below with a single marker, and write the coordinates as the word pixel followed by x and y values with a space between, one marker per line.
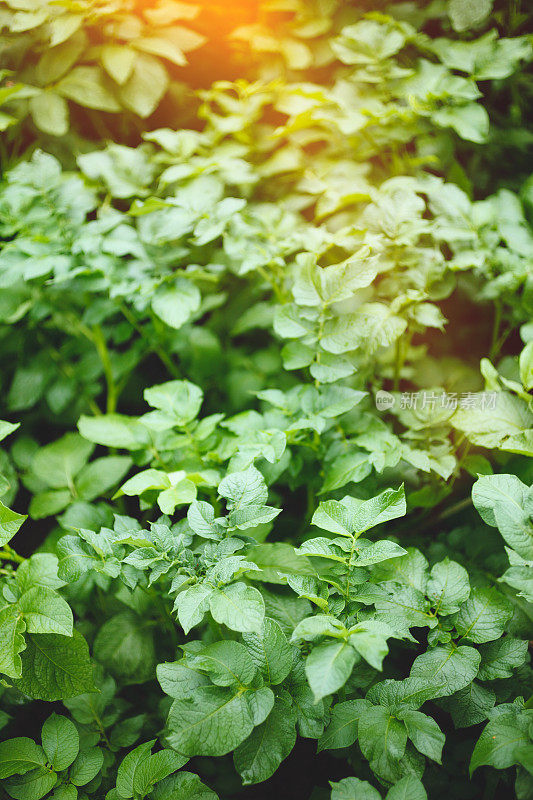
pixel 213 722
pixel 129 766
pixel 156 767
pixel 397 695
pixel 270 651
pixel 260 702
pixel 342 729
pixel 260 755
pixel 86 766
pixel 98 477
pixel 501 501
pixel 521 579
pixel 201 518
pixel 310 715
pixel 65 791
pixel 448 586
pixel 125 171
pixel 328 667
pixel 181 400
pixel 471 122
pixel 176 305
pixel 400 607
pixel 10 523
pixel 76 558
pixel 470 705
pixel 297 356
pixel 323 547
pixel 33 785
pixel 114 430
pixel 12 626
pixel 179 679
pixel 58 60
pixel 278 559
pixel 371 327
pixel 20 755
pixel 145 481
pixel 44 611
pixel 50 113
pixel 500 742
pixel 390 504
pixel 244 488
pixel 88 87
pixel 228 663
pixel 407 788
pixel 334 516
pixel 367 42
pixel 55 667
pixel 26 388
pixel 424 733
pixel 61 741
pixel 314 627
pixel 117 60
pixel 44 504
pixel 349 515
pixel 484 616
pixel 183 786
pixel 6 428
pixel 145 87
pixel 504 428
pixel 346 468
pixel 368 553
pixel 369 639
pixel 353 789
pixel 382 739
pixel 192 604
pixel 454 667
pixel 39 570
pixel 500 658
pixel 126 647
pixel 251 516
pixel 238 606
pixel 526 366
pixel 465 14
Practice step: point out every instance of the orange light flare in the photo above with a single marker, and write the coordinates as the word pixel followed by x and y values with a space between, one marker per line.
pixel 221 54
pixel 214 18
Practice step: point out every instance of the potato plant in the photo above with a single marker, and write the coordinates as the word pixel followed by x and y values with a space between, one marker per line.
pixel 266 489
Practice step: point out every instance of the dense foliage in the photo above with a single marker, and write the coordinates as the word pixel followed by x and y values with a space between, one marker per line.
pixel 266 359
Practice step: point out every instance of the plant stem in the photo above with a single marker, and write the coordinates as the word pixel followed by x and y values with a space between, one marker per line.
pixel 494 347
pixel 451 510
pixel 8 554
pixel 154 347
pixel 103 352
pixel 401 348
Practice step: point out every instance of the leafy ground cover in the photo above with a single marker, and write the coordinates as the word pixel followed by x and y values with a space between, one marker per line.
pixel 266 361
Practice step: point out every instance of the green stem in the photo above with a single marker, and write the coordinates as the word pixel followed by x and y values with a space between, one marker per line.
pixel 8 554
pixel 103 352
pixel 272 281
pixel 320 333
pixel 494 347
pixel 451 510
pixel 461 460
pixel 400 352
pixel 349 565
pixel 154 347
pixel 69 373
